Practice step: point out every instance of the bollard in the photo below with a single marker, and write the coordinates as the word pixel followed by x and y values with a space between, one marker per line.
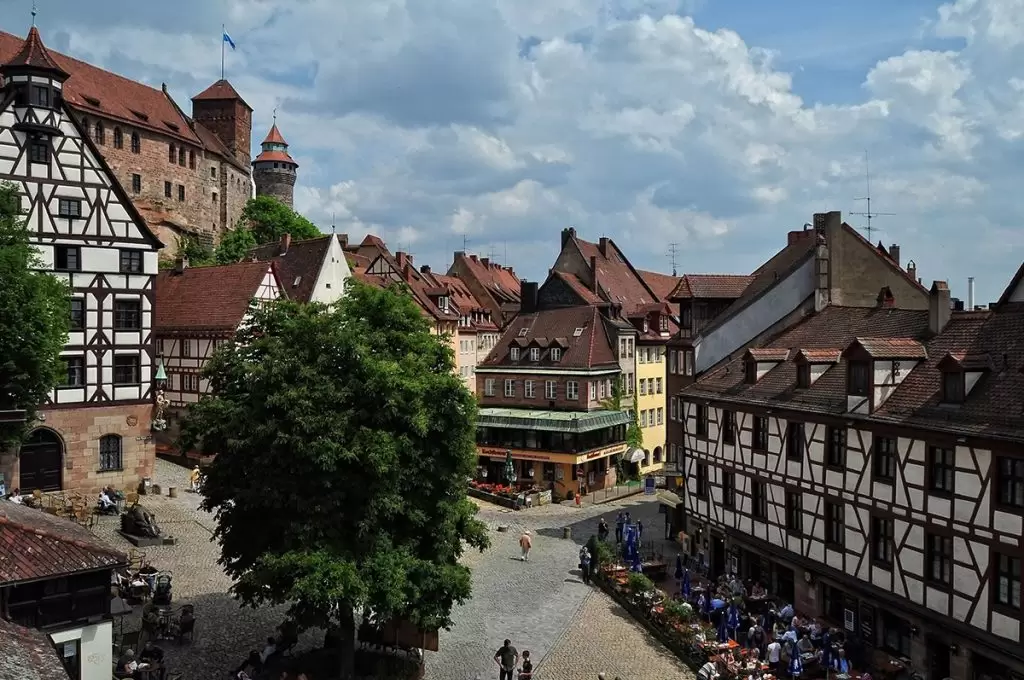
pixel 172 492
pixel 567 532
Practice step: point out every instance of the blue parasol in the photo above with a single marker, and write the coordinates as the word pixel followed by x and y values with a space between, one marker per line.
pixel 796 664
pixel 686 584
pixel 717 604
pixel 723 632
pixel 733 619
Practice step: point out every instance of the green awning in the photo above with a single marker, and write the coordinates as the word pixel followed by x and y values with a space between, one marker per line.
pixel 550 421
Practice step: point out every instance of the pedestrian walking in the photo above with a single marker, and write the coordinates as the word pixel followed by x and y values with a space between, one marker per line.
pixel 526 672
pixel 507 657
pixel 193 479
pixel 525 542
pixel 602 530
pixel 585 565
pixel 668 525
pixel 620 522
pixel 639 530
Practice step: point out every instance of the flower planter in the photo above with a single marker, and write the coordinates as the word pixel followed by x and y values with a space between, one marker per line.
pixel 503 501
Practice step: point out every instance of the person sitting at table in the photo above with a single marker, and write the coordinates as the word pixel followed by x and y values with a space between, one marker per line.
pixel 127 665
pixel 805 646
pixel 814 629
pixel 736 588
pixel 796 622
pixel 786 613
pixel 151 653
pixel 757 591
pixel 106 503
pixel 708 671
pixel 839 663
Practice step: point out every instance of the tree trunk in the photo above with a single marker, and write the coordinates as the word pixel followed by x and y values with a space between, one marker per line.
pixel 347 640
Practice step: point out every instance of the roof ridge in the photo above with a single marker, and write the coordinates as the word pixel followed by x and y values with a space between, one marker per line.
pixel 96 547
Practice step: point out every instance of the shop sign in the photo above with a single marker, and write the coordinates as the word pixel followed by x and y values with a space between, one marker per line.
pixel 515 454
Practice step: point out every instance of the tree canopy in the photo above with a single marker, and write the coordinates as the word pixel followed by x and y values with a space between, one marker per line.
pixel 34 319
pixel 234 245
pixel 344 443
pixel 269 219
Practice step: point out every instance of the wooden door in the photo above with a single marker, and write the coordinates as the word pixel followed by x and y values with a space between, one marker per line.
pixel 41 462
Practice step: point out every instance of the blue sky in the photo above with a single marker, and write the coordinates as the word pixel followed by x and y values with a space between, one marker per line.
pixel 717 125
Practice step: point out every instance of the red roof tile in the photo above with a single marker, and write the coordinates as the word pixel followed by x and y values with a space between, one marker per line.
pixel 279 156
pixel 28 654
pixel 892 348
pixel 590 349
pixel 220 90
pixel 274 136
pixel 501 282
pixel 35 545
pixel 35 55
pixel 118 97
pixel 768 354
pixel 661 284
pixel 832 327
pixel 206 298
pixel 710 286
pixel 298 267
pixel 615 275
pixel 819 356
pixel 586 296
pixel 465 302
pixel 967 362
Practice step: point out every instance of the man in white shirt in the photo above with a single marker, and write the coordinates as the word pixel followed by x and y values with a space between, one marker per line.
pixel 268 650
pixel 774 654
pixel 707 672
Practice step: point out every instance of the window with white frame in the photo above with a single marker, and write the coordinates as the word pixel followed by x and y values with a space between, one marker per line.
pixel 528 389
pixel 551 389
pixel 643 386
pixel 593 391
pixel 572 390
pixel 488 387
pixel 513 354
pixel 672 362
pixel 673 412
pixel 600 390
pixel 535 354
pixel 510 387
pixel 661 415
pixel 658 386
pixel 556 353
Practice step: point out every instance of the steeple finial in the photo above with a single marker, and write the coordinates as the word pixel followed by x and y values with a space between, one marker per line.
pixel 34 12
pixel 275 115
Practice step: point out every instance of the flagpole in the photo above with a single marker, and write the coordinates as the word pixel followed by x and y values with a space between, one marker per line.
pixel 223 30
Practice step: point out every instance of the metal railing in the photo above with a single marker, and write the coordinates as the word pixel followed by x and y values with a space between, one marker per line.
pixel 617 491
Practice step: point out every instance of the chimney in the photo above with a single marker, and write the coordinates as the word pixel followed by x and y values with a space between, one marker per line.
pixel 912 270
pixel 403 259
pixel 603 247
pixel 826 222
pixel 970 293
pixel 343 240
pixel 939 308
pixel 181 264
pixel 567 234
pixel 595 275
pixel 286 241
pixel 894 253
pixel 425 269
pixel 528 297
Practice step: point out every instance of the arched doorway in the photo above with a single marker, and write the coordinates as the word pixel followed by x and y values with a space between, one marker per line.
pixel 657 454
pixel 42 457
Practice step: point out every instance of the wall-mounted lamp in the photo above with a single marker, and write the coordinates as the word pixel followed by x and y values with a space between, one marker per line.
pixel 954 649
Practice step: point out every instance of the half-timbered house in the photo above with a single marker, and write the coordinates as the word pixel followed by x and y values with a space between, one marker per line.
pixel 197 309
pixel 868 464
pixel 94 429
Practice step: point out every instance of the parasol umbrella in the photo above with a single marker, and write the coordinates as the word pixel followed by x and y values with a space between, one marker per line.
pixel 723 632
pixel 686 585
pixel 510 468
pixel 717 604
pixel 733 619
pixel 796 664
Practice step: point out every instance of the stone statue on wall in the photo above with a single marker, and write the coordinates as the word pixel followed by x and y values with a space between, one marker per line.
pixel 162 402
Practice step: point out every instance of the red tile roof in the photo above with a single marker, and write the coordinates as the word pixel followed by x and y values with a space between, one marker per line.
pixel 298 267
pixel 34 54
pixel 501 282
pixel 819 356
pixel 661 284
pixel 118 97
pixel 832 327
pixel 274 136
pixel 206 298
pixel 615 275
pixel 892 348
pixel 220 90
pixel 465 302
pixel 710 286
pixel 768 354
pixel 279 156
pixel 592 348
pixel 585 295
pixel 35 545
pixel 28 654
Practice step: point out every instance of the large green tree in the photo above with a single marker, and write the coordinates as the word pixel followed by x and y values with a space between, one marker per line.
pixel 234 245
pixel 344 443
pixel 34 320
pixel 269 219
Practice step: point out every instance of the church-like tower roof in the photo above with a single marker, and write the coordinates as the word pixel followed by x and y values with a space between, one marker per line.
pixel 275 149
pixel 33 54
pixel 274 136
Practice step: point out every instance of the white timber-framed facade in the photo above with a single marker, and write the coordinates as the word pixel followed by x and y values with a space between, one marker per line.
pixel 94 429
pixel 869 466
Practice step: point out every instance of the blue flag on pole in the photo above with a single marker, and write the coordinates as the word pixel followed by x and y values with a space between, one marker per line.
pixel 228 40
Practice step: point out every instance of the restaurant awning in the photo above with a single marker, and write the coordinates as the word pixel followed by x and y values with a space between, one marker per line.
pixel 636 455
pixel 551 421
pixel 668 498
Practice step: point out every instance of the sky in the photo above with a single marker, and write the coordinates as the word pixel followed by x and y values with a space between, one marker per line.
pixel 714 125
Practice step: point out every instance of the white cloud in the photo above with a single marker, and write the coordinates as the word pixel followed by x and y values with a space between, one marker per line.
pixel 504 122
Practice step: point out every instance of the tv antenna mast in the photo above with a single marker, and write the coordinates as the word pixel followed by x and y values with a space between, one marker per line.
pixel 673 250
pixel 868 215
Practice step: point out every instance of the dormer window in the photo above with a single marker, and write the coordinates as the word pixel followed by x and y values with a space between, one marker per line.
pixel 442 303
pixel 647 326
pixel 953 387
pixel 663 323
pixel 535 354
pixel 513 354
pixel 858 378
pixel 556 353
pixel 803 376
pixel 750 371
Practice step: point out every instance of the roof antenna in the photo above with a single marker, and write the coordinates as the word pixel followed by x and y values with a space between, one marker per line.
pixel 333 231
pixel 672 251
pixel 465 243
pixel 275 115
pixel 867 197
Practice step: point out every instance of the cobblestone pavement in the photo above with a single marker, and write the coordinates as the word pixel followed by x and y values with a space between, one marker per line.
pixel 224 632
pixel 604 638
pixel 572 631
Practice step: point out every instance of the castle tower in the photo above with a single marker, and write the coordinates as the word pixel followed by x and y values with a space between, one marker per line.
pixel 223 111
pixel 274 170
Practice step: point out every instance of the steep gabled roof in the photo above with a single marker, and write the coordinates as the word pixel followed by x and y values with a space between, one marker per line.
pixel 592 348
pixel 501 282
pixel 221 90
pixel 299 267
pixel 615 275
pixel 710 286
pixel 274 136
pixel 465 302
pixel 28 654
pixel 35 545
pixel 33 54
pixel 213 299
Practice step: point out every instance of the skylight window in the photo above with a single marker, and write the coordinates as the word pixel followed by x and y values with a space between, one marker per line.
pixel 523 332
pixel 577 333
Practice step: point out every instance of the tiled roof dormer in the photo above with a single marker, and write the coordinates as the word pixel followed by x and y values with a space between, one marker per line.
pixel 961 372
pixel 876 367
pixel 811 364
pixel 757 362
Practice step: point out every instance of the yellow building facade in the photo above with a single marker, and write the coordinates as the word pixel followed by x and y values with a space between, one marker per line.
pixel 650 403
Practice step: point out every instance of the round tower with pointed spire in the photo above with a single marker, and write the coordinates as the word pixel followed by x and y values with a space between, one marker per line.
pixel 274 171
